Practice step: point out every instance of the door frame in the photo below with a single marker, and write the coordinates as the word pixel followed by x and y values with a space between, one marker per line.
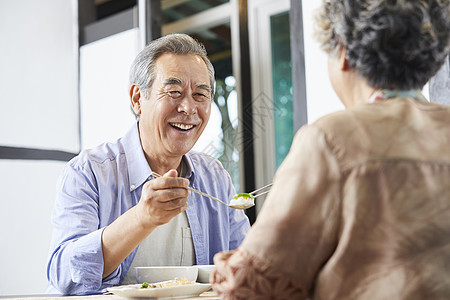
pixel 259 13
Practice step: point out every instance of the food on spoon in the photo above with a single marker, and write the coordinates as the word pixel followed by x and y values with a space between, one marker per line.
pixel 166 284
pixel 242 200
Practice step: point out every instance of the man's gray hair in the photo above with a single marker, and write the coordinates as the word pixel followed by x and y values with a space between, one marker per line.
pixel 143 67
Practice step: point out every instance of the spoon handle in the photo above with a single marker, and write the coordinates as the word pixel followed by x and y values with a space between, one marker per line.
pixel 206 195
pixel 195 191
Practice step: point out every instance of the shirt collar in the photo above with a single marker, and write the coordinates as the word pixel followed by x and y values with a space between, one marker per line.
pixel 138 168
pixel 187 160
pixel 383 94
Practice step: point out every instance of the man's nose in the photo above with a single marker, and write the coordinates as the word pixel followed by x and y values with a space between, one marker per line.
pixel 187 105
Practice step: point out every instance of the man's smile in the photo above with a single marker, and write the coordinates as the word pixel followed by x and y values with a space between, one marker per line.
pixel 181 126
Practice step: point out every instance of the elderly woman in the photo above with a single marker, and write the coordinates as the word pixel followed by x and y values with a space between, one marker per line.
pixel 360 208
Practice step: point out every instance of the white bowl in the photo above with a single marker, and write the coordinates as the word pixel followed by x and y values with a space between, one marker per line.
pixel 204 271
pixel 157 274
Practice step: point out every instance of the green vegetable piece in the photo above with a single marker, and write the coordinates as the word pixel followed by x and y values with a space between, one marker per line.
pixel 144 285
pixel 245 195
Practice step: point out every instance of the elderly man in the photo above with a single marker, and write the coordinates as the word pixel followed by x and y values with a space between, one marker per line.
pixel 111 214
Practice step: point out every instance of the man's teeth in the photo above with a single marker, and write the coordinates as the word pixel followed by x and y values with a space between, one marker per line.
pixel 182 126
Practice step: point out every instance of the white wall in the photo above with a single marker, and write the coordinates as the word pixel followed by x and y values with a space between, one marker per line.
pixel 37 75
pixel 104 98
pixel 27 198
pixel 39 109
pixel 320 95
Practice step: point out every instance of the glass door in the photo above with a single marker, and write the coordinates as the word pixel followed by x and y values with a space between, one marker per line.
pixel 281 85
pixel 272 105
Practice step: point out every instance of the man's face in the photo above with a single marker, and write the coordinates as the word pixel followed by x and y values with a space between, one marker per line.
pixel 178 106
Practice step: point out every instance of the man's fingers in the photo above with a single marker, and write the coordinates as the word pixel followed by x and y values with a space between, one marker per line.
pixel 175 204
pixel 165 216
pixel 171 194
pixel 161 191
pixel 169 182
pixel 171 173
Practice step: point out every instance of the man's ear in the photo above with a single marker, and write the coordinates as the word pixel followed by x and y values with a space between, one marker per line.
pixel 135 97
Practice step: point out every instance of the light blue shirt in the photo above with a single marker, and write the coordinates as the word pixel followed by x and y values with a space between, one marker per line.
pixel 100 184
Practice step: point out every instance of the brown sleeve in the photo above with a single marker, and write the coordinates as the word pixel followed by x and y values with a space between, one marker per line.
pixel 297 228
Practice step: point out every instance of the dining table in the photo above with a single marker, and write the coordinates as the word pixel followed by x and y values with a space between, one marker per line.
pixel 209 295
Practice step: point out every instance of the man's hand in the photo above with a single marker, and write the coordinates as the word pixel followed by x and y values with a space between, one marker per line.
pixel 162 199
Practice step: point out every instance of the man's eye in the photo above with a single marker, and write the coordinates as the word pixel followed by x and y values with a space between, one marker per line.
pixel 174 94
pixel 200 97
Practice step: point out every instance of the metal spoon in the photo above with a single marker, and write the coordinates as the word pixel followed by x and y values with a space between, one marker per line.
pixel 252 196
pixel 209 196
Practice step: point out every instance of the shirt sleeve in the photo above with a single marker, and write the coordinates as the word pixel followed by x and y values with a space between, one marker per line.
pixel 75 264
pixel 296 230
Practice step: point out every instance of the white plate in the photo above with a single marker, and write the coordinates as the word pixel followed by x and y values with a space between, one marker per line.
pixel 135 290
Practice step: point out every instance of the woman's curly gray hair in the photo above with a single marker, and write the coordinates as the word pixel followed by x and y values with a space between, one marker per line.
pixel 391 43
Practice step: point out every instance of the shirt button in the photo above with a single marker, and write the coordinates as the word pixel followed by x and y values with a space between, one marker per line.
pixel 133 186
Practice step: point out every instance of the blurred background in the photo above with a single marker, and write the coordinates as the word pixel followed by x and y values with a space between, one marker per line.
pixel 64 88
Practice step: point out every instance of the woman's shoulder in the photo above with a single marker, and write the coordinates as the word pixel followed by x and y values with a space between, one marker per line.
pixel 362 120
pixel 346 119
pixel 348 134
pixel 334 126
